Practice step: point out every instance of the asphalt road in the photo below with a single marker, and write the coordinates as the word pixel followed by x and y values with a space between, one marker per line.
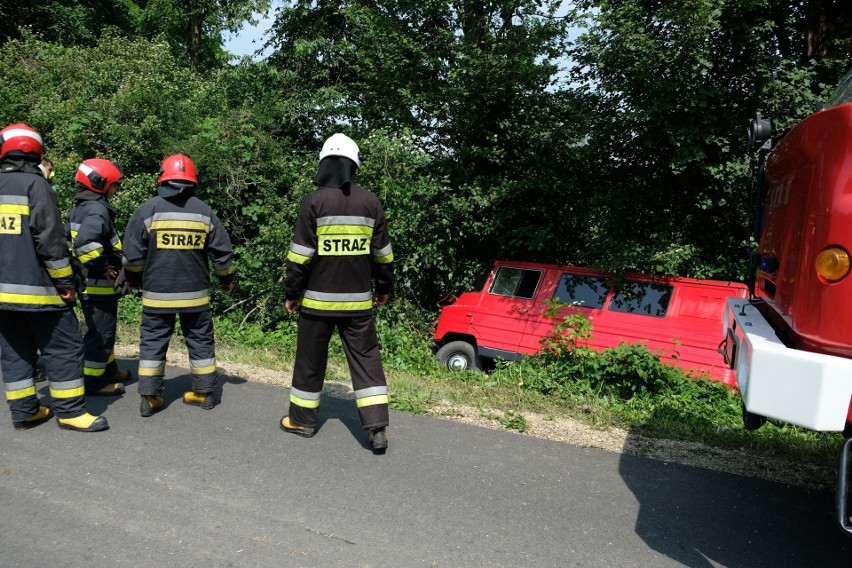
pixel 226 487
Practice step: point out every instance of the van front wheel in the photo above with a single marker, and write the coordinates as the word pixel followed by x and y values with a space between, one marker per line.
pixel 459 356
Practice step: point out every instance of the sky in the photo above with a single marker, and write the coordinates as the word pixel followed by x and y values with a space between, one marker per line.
pixel 250 38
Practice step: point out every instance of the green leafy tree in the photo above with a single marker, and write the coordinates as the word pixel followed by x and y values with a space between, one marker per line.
pixel 674 84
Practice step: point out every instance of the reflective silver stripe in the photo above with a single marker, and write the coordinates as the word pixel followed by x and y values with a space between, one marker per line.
pixel 151 364
pixel 303 250
pixel 372 391
pixel 329 297
pixel 345 220
pixel 28 290
pixel 66 385
pixel 57 264
pixel 75 227
pixel 202 362
pixel 16 132
pixel 382 251
pixel 85 169
pixel 88 248
pixel 304 395
pixel 115 240
pixel 14 199
pixel 175 295
pixel 95 364
pixel 197 217
pixel 19 385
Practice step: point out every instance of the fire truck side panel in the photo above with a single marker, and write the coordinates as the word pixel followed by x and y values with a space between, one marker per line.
pixel 808 208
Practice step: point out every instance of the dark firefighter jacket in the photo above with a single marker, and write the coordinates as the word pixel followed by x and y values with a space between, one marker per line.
pixel 34 257
pixel 95 243
pixel 166 247
pixel 340 248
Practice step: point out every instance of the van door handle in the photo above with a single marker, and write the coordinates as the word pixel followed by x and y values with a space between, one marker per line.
pixel 523 310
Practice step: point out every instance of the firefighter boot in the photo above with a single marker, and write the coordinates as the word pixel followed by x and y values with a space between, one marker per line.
pixel 41 416
pixel 122 376
pixel 83 423
pixel 302 431
pixel 202 399
pixel 378 440
pixel 150 404
pixel 112 389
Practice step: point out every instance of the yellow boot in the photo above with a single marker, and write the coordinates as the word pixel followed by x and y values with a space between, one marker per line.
pixel 83 423
pixel 41 416
pixel 112 389
pixel 202 399
pixel 293 428
pixel 122 376
pixel 150 404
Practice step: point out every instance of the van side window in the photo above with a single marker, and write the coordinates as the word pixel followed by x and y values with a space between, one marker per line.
pixel 584 291
pixel 642 298
pixel 515 282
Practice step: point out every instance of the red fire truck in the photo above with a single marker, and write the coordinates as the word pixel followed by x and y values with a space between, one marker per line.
pixel 790 346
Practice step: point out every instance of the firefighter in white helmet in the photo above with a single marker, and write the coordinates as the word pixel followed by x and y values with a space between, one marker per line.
pixel 37 292
pixel 96 244
pixel 340 265
pixel 167 244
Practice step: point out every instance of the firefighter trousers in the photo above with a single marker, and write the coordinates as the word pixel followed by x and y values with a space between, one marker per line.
pixel 57 335
pixel 99 365
pixel 155 332
pixel 361 346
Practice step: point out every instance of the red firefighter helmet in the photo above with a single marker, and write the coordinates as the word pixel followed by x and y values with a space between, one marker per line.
pixel 20 137
pixel 178 167
pixel 97 174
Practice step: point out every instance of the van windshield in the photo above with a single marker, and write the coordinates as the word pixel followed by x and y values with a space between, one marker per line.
pixel 843 93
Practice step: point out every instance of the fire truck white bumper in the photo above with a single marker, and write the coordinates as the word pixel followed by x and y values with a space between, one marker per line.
pixel 802 388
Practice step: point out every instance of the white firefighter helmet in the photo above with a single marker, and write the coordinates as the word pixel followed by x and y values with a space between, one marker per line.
pixel 341 145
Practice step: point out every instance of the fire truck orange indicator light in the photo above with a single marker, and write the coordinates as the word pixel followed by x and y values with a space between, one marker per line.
pixel 832 264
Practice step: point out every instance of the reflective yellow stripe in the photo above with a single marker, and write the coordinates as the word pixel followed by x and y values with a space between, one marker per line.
pixel 372 400
pixel 303 402
pixel 383 259
pixel 203 370
pixel 133 268
pixel 22 393
pixel 151 371
pixel 344 230
pixel 91 255
pixel 337 306
pixel 89 371
pixel 100 290
pixel 175 303
pixel 60 272
pixel 111 358
pixel 70 393
pixel 298 258
pixel 30 299
pixel 194 225
pixel 225 271
pixel 14 209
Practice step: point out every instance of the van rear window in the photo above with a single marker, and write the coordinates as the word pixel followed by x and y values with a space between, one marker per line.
pixel 583 291
pixel 642 298
pixel 515 282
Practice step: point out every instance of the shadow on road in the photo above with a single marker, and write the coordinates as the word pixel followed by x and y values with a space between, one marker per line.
pixel 703 518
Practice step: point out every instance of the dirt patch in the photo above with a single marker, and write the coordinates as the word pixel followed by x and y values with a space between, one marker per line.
pixel 569 431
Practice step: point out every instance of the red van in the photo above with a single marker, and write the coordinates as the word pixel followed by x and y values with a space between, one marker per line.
pixel 507 318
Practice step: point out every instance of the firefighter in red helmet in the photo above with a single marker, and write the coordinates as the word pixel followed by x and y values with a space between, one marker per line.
pixel 340 265
pixel 37 292
pixel 166 246
pixel 96 244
